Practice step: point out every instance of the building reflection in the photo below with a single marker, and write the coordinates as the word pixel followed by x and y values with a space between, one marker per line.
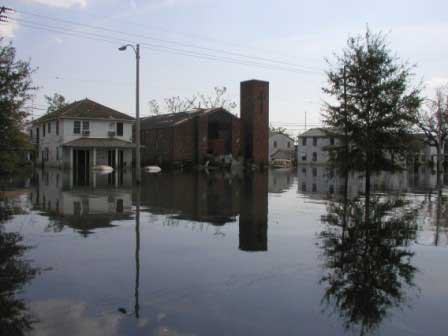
pixel 280 180
pixel 82 207
pixel 216 198
pixel 320 179
pixel 433 220
pixel 253 223
pixel 367 257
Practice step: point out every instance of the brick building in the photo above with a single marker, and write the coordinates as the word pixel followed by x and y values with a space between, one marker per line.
pixel 196 135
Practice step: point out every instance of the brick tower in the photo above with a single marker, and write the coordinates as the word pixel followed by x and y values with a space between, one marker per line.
pixel 254 104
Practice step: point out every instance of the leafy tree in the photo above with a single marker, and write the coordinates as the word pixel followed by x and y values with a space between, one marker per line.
pixel 55 102
pixel 375 106
pixel 15 90
pixel 433 121
pixel 177 104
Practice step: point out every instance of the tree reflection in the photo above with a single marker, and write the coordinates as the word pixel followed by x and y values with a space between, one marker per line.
pixel 15 273
pixel 367 259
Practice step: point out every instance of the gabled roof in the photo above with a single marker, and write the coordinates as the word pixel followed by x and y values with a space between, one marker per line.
pixel 85 109
pixel 318 131
pixel 174 119
pixel 280 133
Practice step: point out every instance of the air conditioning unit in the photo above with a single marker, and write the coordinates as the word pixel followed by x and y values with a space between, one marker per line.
pixel 85 132
pixel 111 134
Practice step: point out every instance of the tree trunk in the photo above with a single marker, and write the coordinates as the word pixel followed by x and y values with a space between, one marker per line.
pixel 367 194
pixel 439 167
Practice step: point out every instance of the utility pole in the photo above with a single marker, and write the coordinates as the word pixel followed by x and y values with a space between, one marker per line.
pixel 136 48
pixel 137 116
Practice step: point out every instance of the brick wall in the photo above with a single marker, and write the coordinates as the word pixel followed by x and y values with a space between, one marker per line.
pixel 254 95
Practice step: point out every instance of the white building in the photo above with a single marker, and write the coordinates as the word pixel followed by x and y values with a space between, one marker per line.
pixel 83 134
pixel 311 146
pixel 280 145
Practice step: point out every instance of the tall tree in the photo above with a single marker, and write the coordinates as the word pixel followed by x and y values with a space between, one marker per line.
pixel 433 121
pixel 55 102
pixel 375 106
pixel 16 88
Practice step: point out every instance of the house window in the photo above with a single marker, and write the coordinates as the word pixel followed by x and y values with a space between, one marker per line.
pixel 43 130
pixel 315 141
pixel 289 144
pixel 304 187
pixel 314 187
pixel 332 141
pixel 303 156
pixel 275 144
pixel 304 141
pixel 49 127
pixel 119 129
pixel 57 154
pixel 304 170
pixel 314 156
pixel 57 127
pixel 85 126
pixel 76 127
pixel 314 171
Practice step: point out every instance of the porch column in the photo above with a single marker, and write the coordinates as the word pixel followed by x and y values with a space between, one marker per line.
pixel 94 157
pixel 116 159
pixel 70 160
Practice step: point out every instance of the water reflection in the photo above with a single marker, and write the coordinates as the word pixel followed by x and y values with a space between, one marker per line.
pixel 367 258
pixel 320 179
pixel 217 198
pixel 16 272
pixel 434 220
pixel 82 207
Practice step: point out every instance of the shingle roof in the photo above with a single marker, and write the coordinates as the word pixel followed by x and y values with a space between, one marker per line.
pixel 174 119
pixel 99 142
pixel 87 109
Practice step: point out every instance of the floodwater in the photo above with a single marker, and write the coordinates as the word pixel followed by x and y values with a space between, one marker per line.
pixel 276 253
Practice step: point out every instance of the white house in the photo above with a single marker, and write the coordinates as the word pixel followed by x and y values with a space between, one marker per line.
pixel 83 134
pixel 313 143
pixel 280 145
pixel 311 146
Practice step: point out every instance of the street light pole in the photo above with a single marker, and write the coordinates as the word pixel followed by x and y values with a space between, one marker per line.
pixel 137 115
pixel 137 110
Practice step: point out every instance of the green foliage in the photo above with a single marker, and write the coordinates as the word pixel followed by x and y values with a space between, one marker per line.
pixel 55 102
pixel 375 107
pixel 15 90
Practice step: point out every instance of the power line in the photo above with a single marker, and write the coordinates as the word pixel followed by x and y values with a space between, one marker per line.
pixel 157 48
pixel 299 67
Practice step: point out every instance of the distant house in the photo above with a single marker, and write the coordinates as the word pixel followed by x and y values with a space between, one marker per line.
pixel 281 146
pixel 81 135
pixel 313 147
pixel 312 144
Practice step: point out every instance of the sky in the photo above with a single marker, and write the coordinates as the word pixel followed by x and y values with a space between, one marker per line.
pixel 191 46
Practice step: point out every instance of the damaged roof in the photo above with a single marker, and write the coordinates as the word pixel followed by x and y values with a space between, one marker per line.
pixel 174 119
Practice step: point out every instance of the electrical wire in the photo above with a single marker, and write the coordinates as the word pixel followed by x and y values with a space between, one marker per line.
pixel 84 25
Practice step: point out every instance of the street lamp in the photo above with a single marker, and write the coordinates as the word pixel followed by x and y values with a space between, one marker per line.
pixel 136 49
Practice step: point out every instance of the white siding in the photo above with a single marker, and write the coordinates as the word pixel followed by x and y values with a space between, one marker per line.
pixel 279 141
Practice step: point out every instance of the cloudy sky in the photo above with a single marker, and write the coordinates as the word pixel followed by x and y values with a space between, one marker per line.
pixel 190 46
